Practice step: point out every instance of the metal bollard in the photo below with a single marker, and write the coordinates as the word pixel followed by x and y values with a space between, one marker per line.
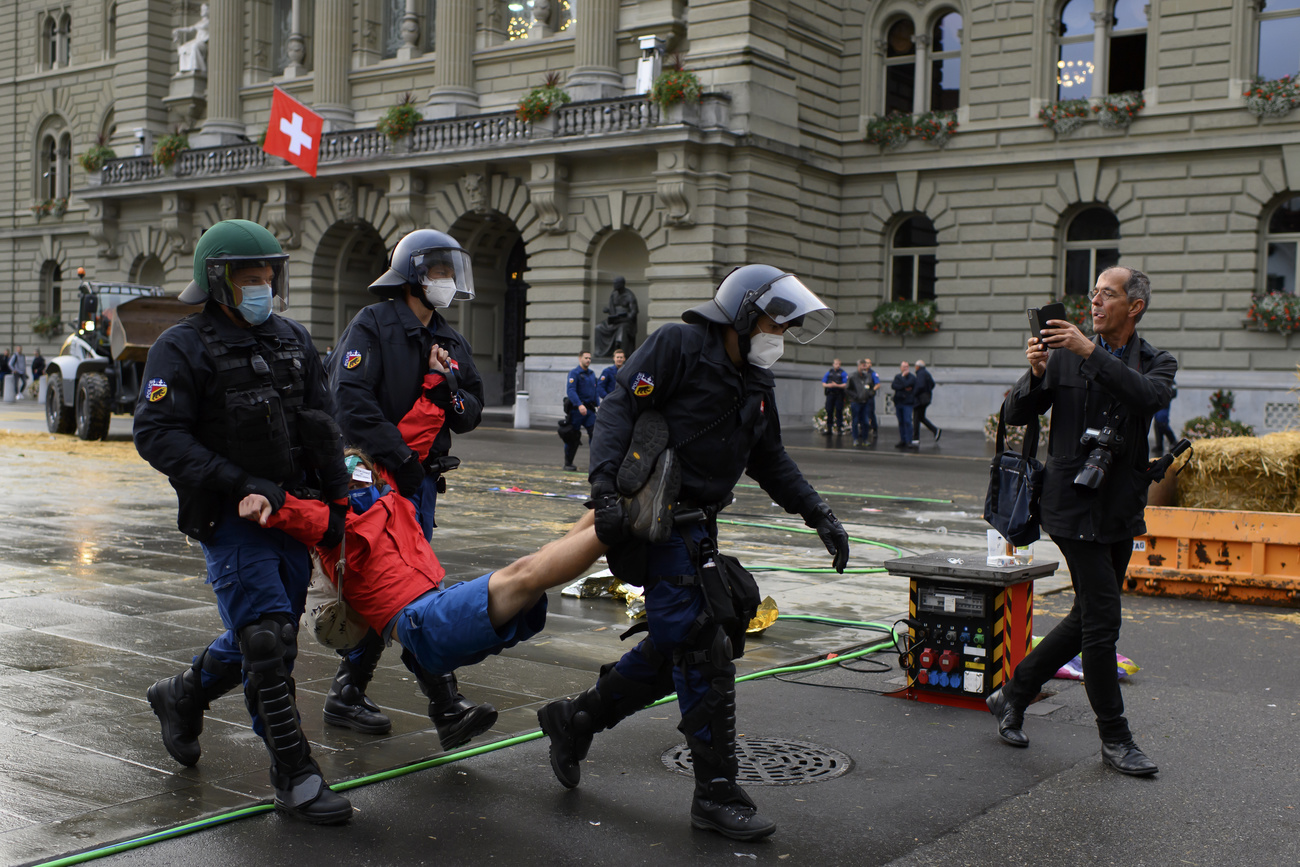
pixel 11 388
pixel 521 409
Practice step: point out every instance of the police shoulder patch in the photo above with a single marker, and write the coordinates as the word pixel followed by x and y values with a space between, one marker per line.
pixel 643 384
pixel 156 390
pixel 352 359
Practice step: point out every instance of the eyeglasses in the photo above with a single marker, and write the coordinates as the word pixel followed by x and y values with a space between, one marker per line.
pixel 1106 294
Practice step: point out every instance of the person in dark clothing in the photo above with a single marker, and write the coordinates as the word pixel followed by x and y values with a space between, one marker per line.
pixel 224 412
pixel 1114 383
pixel 834 383
pixel 923 395
pixel 694 408
pixel 580 402
pixel 1161 424
pixel 376 375
pixel 904 386
pixel 38 366
pixel 862 387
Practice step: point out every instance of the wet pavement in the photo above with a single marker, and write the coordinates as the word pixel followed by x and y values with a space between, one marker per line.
pixel 100 596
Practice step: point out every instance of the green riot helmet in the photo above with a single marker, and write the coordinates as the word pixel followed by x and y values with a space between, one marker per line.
pixel 752 290
pixel 228 247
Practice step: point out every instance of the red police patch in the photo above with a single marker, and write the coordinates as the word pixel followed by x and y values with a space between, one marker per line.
pixel 157 390
pixel 352 359
pixel 643 384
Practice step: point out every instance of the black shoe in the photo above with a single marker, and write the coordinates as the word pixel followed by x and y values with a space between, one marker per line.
pixel 938 433
pixel 362 716
pixel 1011 719
pixel 457 719
pixel 901 446
pixel 726 808
pixel 570 468
pixel 1125 757
pixel 649 440
pixel 568 745
pixel 650 509
pixel 306 797
pixel 181 716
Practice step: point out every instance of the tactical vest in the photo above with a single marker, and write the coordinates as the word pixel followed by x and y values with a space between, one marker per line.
pixel 262 388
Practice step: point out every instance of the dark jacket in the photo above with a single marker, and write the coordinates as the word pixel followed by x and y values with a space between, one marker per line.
pixel 684 372
pixel 181 411
pixel 863 387
pixel 1079 391
pixel 904 389
pixel 924 387
pixel 605 383
pixel 38 365
pixel 376 374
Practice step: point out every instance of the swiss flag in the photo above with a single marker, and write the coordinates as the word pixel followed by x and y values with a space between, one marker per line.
pixel 294 132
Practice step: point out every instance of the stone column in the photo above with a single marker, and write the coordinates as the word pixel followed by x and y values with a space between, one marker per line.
pixel 921 85
pixel 332 51
pixel 297 48
pixel 595 52
pixel 224 124
pixel 1100 30
pixel 453 91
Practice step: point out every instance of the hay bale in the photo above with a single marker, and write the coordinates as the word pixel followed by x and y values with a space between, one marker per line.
pixel 1254 474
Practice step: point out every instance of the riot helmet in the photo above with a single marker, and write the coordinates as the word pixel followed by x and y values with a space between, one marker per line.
pixel 752 290
pixel 432 265
pixel 230 246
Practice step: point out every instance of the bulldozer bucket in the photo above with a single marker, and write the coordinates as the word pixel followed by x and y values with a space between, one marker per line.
pixel 139 322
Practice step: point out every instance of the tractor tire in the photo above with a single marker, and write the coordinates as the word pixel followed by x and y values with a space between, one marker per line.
pixel 58 418
pixel 93 410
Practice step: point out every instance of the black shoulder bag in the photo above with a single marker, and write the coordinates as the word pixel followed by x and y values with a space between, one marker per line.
pixel 1015 485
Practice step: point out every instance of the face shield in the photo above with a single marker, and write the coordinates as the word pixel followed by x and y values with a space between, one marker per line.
pixel 788 302
pixel 444 272
pixel 226 272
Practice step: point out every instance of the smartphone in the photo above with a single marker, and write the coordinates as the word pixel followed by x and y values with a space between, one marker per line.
pixel 1040 316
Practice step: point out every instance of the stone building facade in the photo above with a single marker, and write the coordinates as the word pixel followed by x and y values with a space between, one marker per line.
pixel 997 215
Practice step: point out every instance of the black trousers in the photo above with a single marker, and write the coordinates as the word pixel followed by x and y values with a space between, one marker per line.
pixel 918 419
pixel 1091 629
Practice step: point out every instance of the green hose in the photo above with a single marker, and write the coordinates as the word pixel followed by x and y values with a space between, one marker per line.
pixel 791 529
pixel 867 496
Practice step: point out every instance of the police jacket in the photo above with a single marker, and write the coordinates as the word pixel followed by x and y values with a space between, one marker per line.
pixel 203 438
pixel 376 375
pixel 839 377
pixel 904 389
pixel 684 372
pixel 924 387
pixel 581 387
pixel 1079 393
pixel 605 383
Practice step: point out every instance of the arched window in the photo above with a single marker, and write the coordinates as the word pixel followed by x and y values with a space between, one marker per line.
pixel 51 288
pixel 110 31
pixel 912 259
pixel 63 163
pixel 394 12
pixel 1075 64
pixel 49 180
pixel 1126 67
pixel 1280 247
pixel 900 67
pixel 945 63
pixel 281 30
pixel 1279 38
pixel 50 42
pixel 65 40
pixel 1091 246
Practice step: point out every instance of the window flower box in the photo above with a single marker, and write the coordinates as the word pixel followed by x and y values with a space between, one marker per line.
pixel 906 317
pixel 1272 97
pixel 893 131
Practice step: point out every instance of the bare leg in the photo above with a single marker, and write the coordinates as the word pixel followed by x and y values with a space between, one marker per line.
pixel 518 586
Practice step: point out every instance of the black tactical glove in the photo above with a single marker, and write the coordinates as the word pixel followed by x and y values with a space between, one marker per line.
pixel 254 485
pixel 611 515
pixel 334 533
pixel 409 475
pixel 322 443
pixel 832 534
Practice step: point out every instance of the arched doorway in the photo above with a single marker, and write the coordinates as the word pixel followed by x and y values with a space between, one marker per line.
pixel 621 254
pixel 348 259
pixel 494 321
pixel 148 270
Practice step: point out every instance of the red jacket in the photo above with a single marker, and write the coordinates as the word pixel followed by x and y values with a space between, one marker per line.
pixel 389 562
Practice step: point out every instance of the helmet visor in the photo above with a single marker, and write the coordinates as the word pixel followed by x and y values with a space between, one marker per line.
pixel 444 263
pixel 788 302
pixel 226 272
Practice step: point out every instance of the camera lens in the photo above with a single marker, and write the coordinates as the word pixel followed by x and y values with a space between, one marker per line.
pixel 1094 469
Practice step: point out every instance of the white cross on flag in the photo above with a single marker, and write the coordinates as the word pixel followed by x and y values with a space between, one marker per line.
pixel 293 132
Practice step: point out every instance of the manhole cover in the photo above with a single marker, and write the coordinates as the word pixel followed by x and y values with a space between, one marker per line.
pixel 772 762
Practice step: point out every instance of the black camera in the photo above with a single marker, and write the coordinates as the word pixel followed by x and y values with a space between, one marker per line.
pixel 1104 443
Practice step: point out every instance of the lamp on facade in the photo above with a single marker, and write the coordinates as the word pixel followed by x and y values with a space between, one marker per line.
pixel 650 64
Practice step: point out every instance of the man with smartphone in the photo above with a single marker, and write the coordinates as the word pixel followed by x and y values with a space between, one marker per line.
pixel 1102 392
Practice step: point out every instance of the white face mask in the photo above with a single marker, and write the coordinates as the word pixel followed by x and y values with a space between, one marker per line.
pixel 439 291
pixel 765 349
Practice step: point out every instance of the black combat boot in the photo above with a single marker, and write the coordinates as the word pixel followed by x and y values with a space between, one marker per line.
pixel 457 719
pixel 347 705
pixel 722 805
pixel 571 724
pixel 179 703
pixel 302 793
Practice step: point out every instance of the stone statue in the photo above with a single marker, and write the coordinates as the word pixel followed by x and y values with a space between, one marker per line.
pixel 618 331
pixel 192 44
pixel 542 13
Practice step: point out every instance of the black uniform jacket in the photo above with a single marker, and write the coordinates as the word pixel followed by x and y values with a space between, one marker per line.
pixel 1079 391
pixel 904 389
pixel 684 372
pixel 924 388
pixel 376 373
pixel 180 393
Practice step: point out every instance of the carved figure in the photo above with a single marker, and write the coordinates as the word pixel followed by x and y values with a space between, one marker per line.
pixel 192 44
pixel 618 331
pixel 542 13
pixel 343 203
pixel 475 194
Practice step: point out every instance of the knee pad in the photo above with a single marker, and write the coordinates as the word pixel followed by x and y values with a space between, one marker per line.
pixel 269 646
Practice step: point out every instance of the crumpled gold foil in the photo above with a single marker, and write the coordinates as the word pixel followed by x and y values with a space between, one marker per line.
pixel 765 617
pixel 599 584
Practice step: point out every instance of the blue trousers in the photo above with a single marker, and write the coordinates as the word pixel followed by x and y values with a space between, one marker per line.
pixel 864 419
pixel 904 414
pixel 579 421
pixel 835 410
pixel 670 613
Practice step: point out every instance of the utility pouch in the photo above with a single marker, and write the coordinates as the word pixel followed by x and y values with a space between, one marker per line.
pixel 731 594
pixel 258 435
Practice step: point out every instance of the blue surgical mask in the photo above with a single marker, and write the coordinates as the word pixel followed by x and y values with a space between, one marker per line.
pixel 363 498
pixel 256 306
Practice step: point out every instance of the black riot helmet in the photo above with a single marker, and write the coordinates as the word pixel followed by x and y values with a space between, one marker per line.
pixel 755 289
pixel 424 255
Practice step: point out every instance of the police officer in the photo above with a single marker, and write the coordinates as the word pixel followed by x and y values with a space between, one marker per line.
pixel 224 411
pixel 698 397
pixel 376 373
pixel 580 401
pixel 608 376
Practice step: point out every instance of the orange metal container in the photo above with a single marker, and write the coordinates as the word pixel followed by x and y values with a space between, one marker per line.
pixel 1221 554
